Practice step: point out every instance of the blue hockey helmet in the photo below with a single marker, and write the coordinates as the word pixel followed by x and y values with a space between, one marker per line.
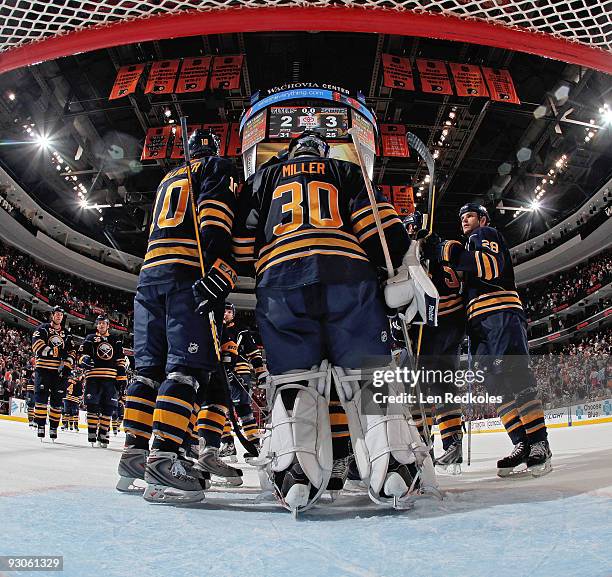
pixel 203 142
pixel 415 219
pixel 477 208
pixel 309 142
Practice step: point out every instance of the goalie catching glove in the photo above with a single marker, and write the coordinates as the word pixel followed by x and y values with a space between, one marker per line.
pixel 213 289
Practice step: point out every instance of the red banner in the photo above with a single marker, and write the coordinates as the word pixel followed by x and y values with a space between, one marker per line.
pixel 468 80
pixel 226 72
pixel 386 190
pixel 500 85
pixel 156 143
pixel 221 130
pixel 403 200
pixel 234 147
pixel 194 75
pixel 397 72
pixel 126 81
pixel 42 297
pixel 8 276
pixel 434 76
pixel 393 138
pixel 162 77
pixel 76 314
pixel 177 145
pixel 594 288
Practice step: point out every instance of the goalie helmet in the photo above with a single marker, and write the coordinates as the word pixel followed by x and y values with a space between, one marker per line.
pixel 309 142
pixel 203 142
pixel 475 207
pixel 415 220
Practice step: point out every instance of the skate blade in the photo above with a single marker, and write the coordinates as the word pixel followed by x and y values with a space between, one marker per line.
pixel 541 470
pixel 226 481
pixel 506 473
pixel 126 485
pixel 399 504
pixel 296 499
pixel 230 459
pixel 451 469
pixel 165 494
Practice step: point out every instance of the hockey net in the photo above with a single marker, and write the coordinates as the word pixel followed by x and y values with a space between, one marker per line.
pixel 585 23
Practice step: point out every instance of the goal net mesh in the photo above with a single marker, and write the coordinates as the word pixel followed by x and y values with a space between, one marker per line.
pixel 587 22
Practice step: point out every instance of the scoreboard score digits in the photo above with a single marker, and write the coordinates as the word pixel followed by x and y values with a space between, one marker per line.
pixel 290 121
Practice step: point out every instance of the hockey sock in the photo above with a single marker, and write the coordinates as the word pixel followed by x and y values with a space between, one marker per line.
pixel 115 424
pixel 193 421
pixel 92 423
pixel 249 426
pixel 30 414
pixel 211 420
pixel 226 436
pixel 340 431
pixel 532 418
pixel 173 410
pixel 418 420
pixel 40 414
pixel 55 414
pixel 511 420
pixel 104 424
pixel 449 422
pixel 138 415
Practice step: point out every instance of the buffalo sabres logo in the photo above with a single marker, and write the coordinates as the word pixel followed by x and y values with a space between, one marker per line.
pixel 56 341
pixel 105 351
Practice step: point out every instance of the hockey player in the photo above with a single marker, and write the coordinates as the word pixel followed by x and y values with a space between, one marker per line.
pixel 440 351
pixel 307 225
pixel 54 351
pixel 498 336
pixel 74 392
pixel 101 355
pixel 174 350
pixel 30 403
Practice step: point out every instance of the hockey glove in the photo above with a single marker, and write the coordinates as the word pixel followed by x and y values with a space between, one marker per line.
pixel 87 362
pixel 46 352
pixel 213 289
pixel 262 378
pixel 431 247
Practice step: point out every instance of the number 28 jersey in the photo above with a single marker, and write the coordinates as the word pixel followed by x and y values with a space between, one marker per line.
pixel 309 220
pixel 172 251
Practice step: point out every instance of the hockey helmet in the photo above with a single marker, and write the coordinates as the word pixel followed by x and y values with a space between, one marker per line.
pixel 102 318
pixel 475 207
pixel 230 307
pixel 309 142
pixel 57 309
pixel 415 219
pixel 203 142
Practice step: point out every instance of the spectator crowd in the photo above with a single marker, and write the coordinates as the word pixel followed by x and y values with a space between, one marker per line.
pixel 66 290
pixel 542 297
pixel 16 363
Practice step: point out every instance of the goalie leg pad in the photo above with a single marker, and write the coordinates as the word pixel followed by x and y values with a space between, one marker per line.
pixel 383 437
pixel 299 430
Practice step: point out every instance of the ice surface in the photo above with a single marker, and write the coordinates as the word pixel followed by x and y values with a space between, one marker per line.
pixel 59 499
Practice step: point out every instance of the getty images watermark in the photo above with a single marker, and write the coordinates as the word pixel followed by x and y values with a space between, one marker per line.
pixel 435 386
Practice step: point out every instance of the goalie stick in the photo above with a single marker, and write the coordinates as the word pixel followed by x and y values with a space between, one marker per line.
pixel 248 445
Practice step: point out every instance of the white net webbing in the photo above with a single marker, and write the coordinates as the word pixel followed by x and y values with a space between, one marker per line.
pixel 588 22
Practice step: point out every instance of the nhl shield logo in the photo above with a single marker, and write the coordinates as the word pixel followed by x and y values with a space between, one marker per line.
pixel 193 348
pixel 105 351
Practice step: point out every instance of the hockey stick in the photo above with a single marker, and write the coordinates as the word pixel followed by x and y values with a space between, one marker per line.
pixel 248 445
pixel 372 197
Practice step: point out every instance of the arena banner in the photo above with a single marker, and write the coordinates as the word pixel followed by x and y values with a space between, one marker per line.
pixel 126 80
pixel 162 77
pixel 434 76
pixel 393 139
pixel 234 147
pixel 8 276
pixel 468 80
pixel 177 144
pixel 221 129
pixel 156 143
pixel 397 72
pixel 194 75
pixel 386 190
pixel 18 408
pixel 403 200
pixel 226 72
pixel 500 85
pixel 589 412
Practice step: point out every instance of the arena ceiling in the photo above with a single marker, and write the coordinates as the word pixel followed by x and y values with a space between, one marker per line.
pixel 494 152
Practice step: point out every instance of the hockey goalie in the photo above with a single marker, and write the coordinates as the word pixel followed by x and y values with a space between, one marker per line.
pixel 308 226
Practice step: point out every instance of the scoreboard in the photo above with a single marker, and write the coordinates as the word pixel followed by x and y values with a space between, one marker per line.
pixel 287 122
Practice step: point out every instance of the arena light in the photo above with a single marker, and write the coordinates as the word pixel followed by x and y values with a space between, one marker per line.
pixel 42 140
pixel 535 204
pixel 11 96
pixel 606 114
pixel 84 203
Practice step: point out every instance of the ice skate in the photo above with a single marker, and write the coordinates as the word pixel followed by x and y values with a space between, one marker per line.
pixel 538 461
pixel 131 467
pixel 450 462
pixel 339 474
pixel 400 487
pixel 40 432
pixel 103 440
pixel 53 434
pixel 92 439
pixel 294 489
pixel 209 462
pixel 506 467
pixel 228 452
pixel 171 479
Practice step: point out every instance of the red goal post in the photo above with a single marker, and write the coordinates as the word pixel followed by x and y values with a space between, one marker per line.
pixel 574 31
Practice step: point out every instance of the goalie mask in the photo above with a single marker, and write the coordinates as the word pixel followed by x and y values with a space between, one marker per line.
pixel 309 142
pixel 203 142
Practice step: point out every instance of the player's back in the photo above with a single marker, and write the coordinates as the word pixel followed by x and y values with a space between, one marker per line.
pixel 172 250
